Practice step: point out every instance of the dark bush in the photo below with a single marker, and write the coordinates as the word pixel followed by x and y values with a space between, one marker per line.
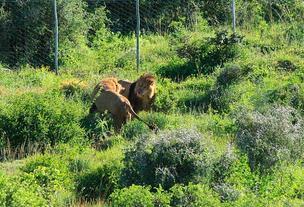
pixel 207 55
pixel 271 137
pixel 286 65
pixel 100 182
pixel 222 167
pixel 230 74
pixel 289 95
pixel 134 129
pixel 98 127
pixel 171 157
pixel 226 192
pixel 177 71
pixel 40 118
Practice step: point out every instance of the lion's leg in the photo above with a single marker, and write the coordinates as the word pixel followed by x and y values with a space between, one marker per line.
pixel 118 122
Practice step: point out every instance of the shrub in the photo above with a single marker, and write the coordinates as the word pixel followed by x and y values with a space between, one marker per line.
pixel 3 190
pixel 171 157
pixel 206 55
pixel 15 194
pixel 286 65
pixel 24 197
pixel 193 195
pixel 165 99
pixel 72 87
pixel 271 137
pixel 286 182
pixel 134 195
pixel 98 127
pixel 137 128
pixel 44 119
pixel 222 167
pixel 230 74
pixel 226 192
pixel 290 95
pixel 48 172
pixel 100 182
pixel 134 129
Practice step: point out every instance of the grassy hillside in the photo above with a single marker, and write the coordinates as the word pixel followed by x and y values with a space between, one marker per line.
pixel 229 106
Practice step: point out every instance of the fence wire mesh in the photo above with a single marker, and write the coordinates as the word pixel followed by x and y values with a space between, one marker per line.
pixel 27 26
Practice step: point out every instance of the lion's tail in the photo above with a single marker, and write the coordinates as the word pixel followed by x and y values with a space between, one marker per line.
pixel 151 126
pixel 93 108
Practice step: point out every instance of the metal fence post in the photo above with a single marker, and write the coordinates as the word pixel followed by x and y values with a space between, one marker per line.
pixel 137 35
pixel 56 36
pixel 233 16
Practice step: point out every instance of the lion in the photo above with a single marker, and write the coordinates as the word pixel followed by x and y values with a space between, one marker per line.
pixel 107 84
pixel 118 106
pixel 140 93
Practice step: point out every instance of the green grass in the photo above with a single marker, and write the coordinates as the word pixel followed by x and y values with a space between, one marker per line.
pixel 82 163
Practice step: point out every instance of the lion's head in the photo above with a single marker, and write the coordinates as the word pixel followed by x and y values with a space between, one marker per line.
pixel 145 87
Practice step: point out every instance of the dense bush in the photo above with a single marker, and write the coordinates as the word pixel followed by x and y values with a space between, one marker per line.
pixel 132 196
pixel 193 195
pixel 15 194
pixel 271 137
pixel 289 95
pixel 165 100
pixel 98 127
pixel 222 166
pixel 171 157
pixel 40 118
pixel 49 176
pixel 286 182
pixel 230 74
pixel 3 189
pixel 136 128
pixel 99 182
pixel 206 55
pixel 74 87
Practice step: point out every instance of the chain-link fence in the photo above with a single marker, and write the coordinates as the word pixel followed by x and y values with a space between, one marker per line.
pixel 27 26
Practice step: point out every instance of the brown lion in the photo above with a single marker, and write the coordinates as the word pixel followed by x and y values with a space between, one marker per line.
pixel 140 93
pixel 107 84
pixel 118 106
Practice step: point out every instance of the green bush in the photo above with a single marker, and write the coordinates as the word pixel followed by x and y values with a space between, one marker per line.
pixel 132 196
pixel 165 97
pixel 222 167
pixel 170 157
pixel 193 195
pixel 286 182
pixel 24 197
pixel 3 189
pixel 40 118
pixel 135 129
pixel 98 127
pixel 290 94
pixel 206 55
pixel 230 74
pixel 99 182
pixel 271 137
pixel 47 170
pixel 14 193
